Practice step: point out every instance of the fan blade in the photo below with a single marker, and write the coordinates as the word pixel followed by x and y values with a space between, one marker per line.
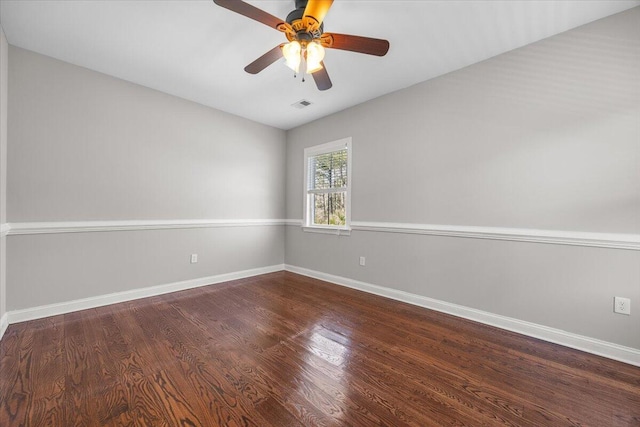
pixel 321 77
pixel 250 11
pixel 265 60
pixel 317 9
pixel 359 44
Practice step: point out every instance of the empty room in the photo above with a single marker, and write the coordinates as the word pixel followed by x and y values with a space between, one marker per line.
pixel 320 213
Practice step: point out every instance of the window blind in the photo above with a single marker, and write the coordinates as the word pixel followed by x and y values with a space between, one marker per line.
pixel 328 172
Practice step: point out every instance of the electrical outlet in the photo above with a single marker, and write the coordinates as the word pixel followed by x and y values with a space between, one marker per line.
pixel 622 305
pixel 194 258
pixel 362 261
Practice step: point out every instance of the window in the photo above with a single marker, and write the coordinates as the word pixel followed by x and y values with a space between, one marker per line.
pixel 327 195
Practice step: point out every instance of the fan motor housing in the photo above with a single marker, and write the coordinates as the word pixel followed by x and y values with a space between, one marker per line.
pixel 294 18
pixel 295 15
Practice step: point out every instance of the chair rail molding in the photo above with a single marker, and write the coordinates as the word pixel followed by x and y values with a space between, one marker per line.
pixel 555 237
pixel 132 225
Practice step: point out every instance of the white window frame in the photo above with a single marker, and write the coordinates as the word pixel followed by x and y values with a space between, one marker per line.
pixel 307 222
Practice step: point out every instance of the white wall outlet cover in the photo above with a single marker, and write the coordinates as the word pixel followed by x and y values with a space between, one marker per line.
pixel 362 260
pixel 194 258
pixel 622 305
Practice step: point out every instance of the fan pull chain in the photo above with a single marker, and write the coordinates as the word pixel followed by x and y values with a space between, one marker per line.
pixel 304 67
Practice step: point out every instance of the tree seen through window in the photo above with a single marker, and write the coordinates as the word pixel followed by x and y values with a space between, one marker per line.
pixel 328 187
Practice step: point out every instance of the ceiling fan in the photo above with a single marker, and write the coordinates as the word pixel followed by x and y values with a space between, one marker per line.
pixel 307 40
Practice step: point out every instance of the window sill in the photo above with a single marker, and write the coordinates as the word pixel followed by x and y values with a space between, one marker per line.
pixel 327 230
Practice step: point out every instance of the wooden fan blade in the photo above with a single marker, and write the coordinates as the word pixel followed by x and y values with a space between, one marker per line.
pixel 317 9
pixel 359 44
pixel 264 61
pixel 321 77
pixel 250 11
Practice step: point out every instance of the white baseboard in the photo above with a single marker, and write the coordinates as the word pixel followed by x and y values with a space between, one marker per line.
pixel 4 324
pixel 590 345
pixel 17 316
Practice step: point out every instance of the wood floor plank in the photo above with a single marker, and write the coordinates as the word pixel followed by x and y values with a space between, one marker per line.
pixel 48 375
pixel 99 398
pixel 15 366
pixel 286 350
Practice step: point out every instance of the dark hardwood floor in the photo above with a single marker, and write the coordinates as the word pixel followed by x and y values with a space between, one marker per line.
pixel 286 350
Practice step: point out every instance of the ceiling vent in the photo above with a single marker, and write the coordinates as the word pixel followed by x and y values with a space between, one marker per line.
pixel 301 104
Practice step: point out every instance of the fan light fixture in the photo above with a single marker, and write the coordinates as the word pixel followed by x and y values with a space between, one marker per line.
pixel 315 55
pixel 313 52
pixel 292 52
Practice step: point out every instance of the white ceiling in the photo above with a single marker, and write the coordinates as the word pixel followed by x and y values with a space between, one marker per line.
pixel 197 50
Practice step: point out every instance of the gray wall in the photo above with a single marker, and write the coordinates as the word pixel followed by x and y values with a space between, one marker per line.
pixel 85 146
pixel 4 62
pixel 543 137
